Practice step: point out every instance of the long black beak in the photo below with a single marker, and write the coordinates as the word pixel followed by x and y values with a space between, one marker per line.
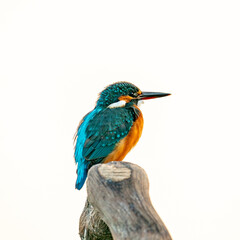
pixel 151 95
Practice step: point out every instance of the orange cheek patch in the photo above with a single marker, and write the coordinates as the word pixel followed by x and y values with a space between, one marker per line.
pixel 127 99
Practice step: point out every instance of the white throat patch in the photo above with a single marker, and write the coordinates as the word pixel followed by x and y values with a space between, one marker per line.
pixel 118 104
pixel 140 102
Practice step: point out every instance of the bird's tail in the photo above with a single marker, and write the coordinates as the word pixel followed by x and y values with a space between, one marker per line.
pixel 81 176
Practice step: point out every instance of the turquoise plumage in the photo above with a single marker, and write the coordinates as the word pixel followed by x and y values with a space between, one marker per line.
pixel 101 130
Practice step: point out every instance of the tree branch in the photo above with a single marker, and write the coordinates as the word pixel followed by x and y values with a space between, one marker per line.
pixel 119 206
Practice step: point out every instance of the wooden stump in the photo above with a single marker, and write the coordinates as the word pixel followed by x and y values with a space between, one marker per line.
pixel 119 206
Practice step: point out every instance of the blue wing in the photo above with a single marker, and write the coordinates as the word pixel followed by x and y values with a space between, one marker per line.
pixel 80 138
pixel 98 135
pixel 104 131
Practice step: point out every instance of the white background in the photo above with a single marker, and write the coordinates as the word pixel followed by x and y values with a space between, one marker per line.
pixel 57 55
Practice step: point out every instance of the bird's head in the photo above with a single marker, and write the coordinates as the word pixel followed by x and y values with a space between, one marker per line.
pixel 123 94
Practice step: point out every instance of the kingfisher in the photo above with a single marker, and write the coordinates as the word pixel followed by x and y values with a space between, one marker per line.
pixel 111 129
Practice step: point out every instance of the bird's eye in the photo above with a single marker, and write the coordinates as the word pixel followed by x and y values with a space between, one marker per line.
pixel 133 94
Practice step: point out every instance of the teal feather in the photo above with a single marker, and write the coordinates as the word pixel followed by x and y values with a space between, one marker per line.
pixel 103 128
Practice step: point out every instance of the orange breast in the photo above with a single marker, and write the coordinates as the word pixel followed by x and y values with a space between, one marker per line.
pixel 127 143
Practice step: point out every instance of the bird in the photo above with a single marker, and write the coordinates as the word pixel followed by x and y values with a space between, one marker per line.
pixel 111 129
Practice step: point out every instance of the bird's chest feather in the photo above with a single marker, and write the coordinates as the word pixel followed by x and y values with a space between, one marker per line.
pixel 128 142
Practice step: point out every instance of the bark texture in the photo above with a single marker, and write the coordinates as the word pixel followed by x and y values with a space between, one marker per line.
pixel 118 205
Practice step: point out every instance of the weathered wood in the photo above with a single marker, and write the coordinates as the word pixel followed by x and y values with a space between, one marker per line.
pixel 118 200
pixel 91 226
